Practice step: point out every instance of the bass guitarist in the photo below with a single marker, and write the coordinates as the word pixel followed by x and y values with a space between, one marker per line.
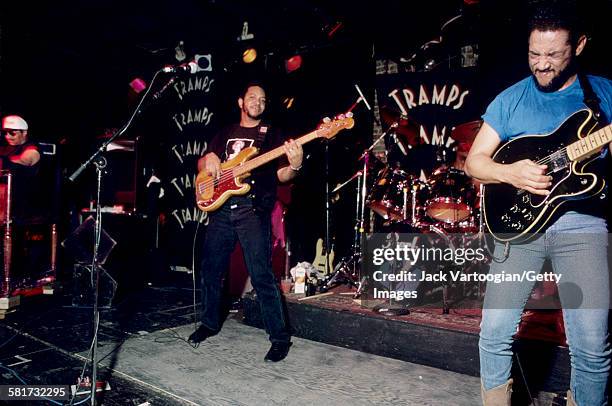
pixel 246 219
pixel 576 241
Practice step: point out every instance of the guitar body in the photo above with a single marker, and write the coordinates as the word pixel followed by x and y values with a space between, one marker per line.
pixel 516 215
pixel 320 262
pixel 214 192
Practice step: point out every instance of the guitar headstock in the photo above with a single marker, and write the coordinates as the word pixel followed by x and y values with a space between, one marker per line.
pixel 329 128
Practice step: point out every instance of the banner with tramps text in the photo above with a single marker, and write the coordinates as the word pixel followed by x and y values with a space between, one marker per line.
pixel 433 103
pixel 191 123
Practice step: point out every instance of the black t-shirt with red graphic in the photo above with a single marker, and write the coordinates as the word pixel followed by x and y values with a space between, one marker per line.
pixel 232 139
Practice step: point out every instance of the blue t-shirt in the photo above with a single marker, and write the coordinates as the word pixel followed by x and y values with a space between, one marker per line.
pixel 524 109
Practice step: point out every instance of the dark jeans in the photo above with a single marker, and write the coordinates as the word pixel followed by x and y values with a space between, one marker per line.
pixel 237 219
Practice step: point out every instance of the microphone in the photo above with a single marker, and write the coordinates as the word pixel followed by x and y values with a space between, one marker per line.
pixel 363 97
pixel 190 67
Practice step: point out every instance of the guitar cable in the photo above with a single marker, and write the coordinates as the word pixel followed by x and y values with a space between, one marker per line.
pixel 504 257
pixel 193 278
pixel 482 235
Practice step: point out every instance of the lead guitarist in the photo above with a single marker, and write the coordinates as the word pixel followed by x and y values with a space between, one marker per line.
pixel 246 219
pixel 576 243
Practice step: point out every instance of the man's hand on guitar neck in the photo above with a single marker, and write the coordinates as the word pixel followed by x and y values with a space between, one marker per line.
pixel 295 156
pixel 211 164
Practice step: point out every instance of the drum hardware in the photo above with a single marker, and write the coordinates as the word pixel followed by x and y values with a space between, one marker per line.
pixel 348 268
pixel 346 182
pixel 334 275
pixel 413 217
pixel 405 205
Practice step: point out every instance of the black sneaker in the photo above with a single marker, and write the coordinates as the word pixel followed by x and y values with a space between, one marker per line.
pixel 278 351
pixel 201 334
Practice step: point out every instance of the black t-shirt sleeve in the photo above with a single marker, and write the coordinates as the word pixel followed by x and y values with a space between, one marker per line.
pixel 217 144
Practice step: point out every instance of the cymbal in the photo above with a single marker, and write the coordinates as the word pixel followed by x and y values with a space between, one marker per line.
pixel 466 132
pixel 406 126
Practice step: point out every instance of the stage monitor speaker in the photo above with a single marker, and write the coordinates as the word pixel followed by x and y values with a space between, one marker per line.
pixel 80 244
pixel 82 294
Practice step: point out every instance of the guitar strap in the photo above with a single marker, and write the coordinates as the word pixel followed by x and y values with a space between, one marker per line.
pixel 263 129
pixel 591 100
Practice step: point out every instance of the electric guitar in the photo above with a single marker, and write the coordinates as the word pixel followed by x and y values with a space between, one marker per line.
pixel 320 262
pixel 212 193
pixel 513 214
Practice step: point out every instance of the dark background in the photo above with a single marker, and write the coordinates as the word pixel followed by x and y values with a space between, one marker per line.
pixel 65 67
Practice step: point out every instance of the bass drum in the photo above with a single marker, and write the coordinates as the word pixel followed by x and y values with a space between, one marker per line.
pixel 452 197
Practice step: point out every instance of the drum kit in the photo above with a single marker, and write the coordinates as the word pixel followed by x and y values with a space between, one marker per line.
pixel 442 207
pixel 447 199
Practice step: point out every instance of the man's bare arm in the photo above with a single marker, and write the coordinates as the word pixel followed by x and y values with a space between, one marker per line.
pixel 29 157
pixel 524 174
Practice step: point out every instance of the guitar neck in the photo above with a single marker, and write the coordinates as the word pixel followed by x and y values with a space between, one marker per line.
pixel 260 160
pixel 585 147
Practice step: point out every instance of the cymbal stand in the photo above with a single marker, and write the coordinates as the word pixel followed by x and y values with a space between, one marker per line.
pixel 347 270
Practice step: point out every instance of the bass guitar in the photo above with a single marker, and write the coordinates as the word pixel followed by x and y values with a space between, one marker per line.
pixel 570 153
pixel 212 193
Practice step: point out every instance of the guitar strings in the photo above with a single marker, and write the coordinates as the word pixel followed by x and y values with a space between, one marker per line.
pixel 229 174
pixel 225 176
pixel 549 158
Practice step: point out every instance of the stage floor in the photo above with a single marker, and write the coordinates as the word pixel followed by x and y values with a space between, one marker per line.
pixel 144 357
pixel 342 354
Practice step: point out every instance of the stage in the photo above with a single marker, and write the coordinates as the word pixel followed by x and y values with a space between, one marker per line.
pixel 343 353
pixel 428 337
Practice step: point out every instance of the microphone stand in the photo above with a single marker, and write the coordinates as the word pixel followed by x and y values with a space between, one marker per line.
pixel 327 209
pixel 100 161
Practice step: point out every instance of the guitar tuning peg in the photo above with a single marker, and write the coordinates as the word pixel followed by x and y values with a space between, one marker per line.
pixel 340 116
pixel 349 114
pixel 326 120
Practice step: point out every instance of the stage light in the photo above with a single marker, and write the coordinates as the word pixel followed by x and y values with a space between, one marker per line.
pixel 204 62
pixel 294 63
pixel 249 55
pixel 138 85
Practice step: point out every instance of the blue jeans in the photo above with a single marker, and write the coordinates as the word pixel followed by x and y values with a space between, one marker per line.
pixel 577 247
pixel 238 220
